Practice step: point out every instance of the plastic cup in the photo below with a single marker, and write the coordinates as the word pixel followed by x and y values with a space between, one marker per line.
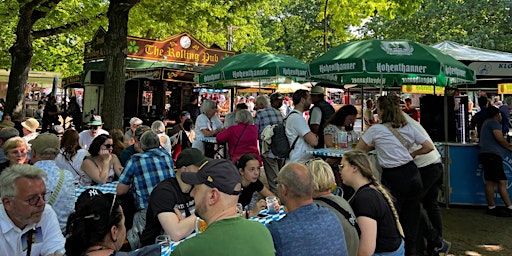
pixel 200 225
pixel 271 203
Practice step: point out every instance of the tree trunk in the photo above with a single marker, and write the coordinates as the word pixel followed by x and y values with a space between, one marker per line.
pixel 115 57
pixel 21 58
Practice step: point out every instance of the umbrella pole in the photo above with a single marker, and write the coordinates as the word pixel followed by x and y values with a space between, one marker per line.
pixel 362 108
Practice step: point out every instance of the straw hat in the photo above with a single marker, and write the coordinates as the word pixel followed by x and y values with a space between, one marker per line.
pixel 30 124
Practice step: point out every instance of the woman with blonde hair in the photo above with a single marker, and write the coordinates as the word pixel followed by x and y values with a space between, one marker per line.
pixel 324 184
pixel 377 217
pixel 392 139
pixel 16 151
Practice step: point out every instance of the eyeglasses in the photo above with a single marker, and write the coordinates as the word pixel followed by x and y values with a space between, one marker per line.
pixel 95 127
pixel 32 201
pixel 307 163
pixel 108 145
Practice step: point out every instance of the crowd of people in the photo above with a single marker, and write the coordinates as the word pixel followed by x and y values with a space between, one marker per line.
pixel 167 182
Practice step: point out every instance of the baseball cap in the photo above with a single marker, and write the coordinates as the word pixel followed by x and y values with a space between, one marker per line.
pixel 276 96
pixel 221 174
pixel 95 120
pixel 45 141
pixel 135 121
pixel 184 113
pixel 191 156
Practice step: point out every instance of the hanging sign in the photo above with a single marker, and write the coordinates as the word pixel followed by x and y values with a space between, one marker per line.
pixel 505 88
pixel 423 89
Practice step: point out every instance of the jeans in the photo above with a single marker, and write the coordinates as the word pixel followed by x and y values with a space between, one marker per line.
pixel 404 183
pixel 399 252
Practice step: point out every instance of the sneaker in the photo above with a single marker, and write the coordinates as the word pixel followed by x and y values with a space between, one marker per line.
pixel 493 212
pixel 444 249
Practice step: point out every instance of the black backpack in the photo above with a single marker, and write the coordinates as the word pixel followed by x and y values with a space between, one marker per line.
pixel 280 146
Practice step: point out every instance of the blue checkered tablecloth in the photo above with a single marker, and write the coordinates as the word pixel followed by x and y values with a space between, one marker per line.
pixel 209 140
pixel 263 217
pixel 329 152
pixel 105 188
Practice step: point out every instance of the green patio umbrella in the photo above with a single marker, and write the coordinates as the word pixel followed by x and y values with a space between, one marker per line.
pixel 389 62
pixel 255 67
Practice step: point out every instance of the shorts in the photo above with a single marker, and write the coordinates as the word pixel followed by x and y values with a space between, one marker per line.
pixel 493 167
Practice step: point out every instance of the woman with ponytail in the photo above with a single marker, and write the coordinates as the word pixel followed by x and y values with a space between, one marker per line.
pixel 392 139
pixel 381 231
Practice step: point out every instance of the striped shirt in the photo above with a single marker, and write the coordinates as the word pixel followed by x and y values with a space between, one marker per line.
pixel 145 170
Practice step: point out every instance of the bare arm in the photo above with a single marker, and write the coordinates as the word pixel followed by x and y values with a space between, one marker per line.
pixel 176 228
pixel 122 188
pixel 311 139
pixel 266 192
pixel 368 239
pixel 426 147
pixel 328 139
pixel 364 147
pixel 499 137
pixel 118 168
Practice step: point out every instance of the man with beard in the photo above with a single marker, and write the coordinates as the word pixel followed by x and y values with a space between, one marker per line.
pixel 298 131
pixel 27 226
pixel 217 186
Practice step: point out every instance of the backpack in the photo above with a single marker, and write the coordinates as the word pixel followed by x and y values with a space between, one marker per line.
pixel 280 146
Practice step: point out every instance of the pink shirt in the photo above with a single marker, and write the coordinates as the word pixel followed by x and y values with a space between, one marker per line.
pixel 248 140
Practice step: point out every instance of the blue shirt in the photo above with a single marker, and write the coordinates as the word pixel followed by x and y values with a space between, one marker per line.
pixel 309 230
pixel 64 203
pixel 487 142
pixel 145 170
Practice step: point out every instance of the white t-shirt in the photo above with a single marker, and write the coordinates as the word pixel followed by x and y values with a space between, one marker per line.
pixel 74 166
pixel 315 116
pixel 85 139
pixel 390 151
pixel 296 126
pixel 202 122
pixel 432 157
pixel 51 235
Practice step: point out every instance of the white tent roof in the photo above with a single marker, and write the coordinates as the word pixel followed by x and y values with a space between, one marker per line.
pixel 470 53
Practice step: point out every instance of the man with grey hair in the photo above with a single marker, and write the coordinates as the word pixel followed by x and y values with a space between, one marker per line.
pixel 28 225
pixel 268 114
pixel 142 173
pixel 308 228
pixel 61 183
pixel 5 134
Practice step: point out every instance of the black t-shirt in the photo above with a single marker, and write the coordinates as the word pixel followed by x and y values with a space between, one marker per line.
pixel 165 197
pixel 246 195
pixel 369 202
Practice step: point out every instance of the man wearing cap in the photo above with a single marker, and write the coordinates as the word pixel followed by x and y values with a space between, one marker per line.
pixel 170 198
pixel 45 147
pixel 319 113
pixel 86 137
pixel 217 186
pixel 30 129
pixel 142 173
pixel 5 134
pixel 128 135
pixel 135 147
pixel 307 229
pixel 25 216
pixel 268 114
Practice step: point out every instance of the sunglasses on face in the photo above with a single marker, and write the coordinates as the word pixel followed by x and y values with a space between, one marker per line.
pixel 95 127
pixel 108 145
